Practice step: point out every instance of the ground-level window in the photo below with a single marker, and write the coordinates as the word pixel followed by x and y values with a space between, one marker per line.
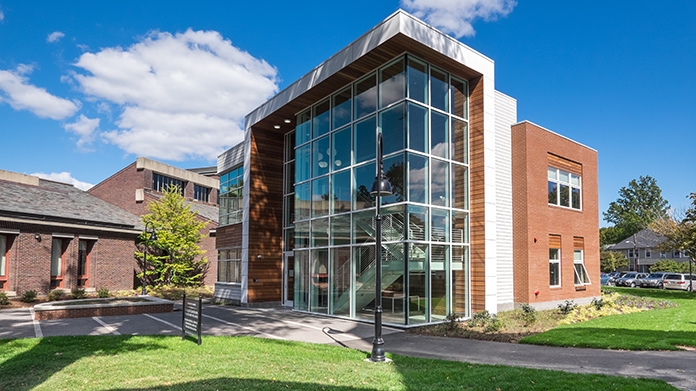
pixel 58 247
pixel 3 262
pixel 581 276
pixel 230 265
pixel 83 262
pixel 554 260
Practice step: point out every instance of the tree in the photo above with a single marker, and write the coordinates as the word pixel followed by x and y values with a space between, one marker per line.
pixel 172 257
pixel 679 231
pixel 639 204
pixel 611 260
pixel 611 235
pixel 669 265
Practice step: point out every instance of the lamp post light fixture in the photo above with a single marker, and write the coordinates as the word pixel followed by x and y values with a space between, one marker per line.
pixel 380 188
pixel 149 229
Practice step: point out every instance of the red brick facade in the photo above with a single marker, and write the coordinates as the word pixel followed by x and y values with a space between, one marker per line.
pixel 534 149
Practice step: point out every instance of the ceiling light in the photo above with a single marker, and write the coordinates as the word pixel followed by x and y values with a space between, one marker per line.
pixel 276 126
pixel 287 121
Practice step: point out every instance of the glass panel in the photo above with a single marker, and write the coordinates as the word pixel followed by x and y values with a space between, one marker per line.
pixel 417 283
pixel 302 235
pixel 554 254
pixel 340 149
pixel 340 229
pixel 392 124
pixel 553 173
pixel 320 232
pixel 417 80
pixel 438 90
pixel 554 274
pixel 460 186
pixel 302 201
pixel 82 258
pixel 392 86
pixel 301 299
pixel 394 170
pixel 575 197
pixel 438 184
pixel 417 178
pixel 3 255
pixel 417 222
pixel 564 176
pixel 290 177
pixel 340 192
pixel 393 228
pixel 320 157
pixel 364 227
pixel 365 96
pixel 553 193
pixel 290 146
pixel 320 197
pixel 460 141
pixel 340 281
pixel 320 121
pixel 289 239
pixel 365 140
pixel 460 281
pixel 460 227
pixel 417 127
pixel 577 255
pixel 303 130
pixel 439 135
pixel 303 163
pixel 340 111
pixel 439 225
pixel 393 297
pixel 565 195
pixel 574 180
pixel 364 281
pixel 458 93
pixel 319 281
pixel 363 176
pixel 56 257
pixel 438 282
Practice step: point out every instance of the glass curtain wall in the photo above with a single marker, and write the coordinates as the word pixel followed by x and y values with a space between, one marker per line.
pixel 329 214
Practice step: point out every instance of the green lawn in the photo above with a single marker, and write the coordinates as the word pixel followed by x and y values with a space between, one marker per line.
pixel 244 363
pixel 650 330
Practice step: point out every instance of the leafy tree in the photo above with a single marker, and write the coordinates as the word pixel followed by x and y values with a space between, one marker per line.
pixel 669 265
pixel 172 257
pixel 611 260
pixel 611 235
pixel 639 204
pixel 680 232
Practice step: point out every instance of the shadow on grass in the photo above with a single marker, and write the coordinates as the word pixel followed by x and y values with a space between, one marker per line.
pixel 231 383
pixel 660 294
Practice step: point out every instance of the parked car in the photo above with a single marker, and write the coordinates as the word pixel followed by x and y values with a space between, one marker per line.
pixel 679 281
pixel 603 278
pixel 630 279
pixel 613 276
pixel 653 280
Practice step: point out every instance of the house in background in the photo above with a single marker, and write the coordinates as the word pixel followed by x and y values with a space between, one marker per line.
pixel 485 212
pixel 54 236
pixel 145 180
pixel 643 250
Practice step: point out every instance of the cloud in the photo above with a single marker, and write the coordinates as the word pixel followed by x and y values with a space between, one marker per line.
pixel 181 96
pixel 456 16
pixel 54 36
pixel 64 177
pixel 84 127
pixel 2 16
pixel 16 91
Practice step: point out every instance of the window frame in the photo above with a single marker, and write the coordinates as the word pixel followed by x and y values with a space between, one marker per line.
pixel 4 261
pixel 569 184
pixel 584 280
pixel 557 262
pixel 57 280
pixel 199 190
pixel 233 261
pixel 161 182
pixel 83 279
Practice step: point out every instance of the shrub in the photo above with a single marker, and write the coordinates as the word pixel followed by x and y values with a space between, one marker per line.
pixel 4 300
pixel 55 295
pixel 171 292
pixel 487 321
pixel 597 303
pixel 78 293
pixel 452 321
pixel 103 293
pixel 528 314
pixel 29 296
pixel 567 307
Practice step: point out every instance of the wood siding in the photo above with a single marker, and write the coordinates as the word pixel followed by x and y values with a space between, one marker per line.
pixel 477 201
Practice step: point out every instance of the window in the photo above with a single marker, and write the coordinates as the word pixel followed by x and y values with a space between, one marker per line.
pixel 161 183
pixel 3 262
pixel 85 248
pixel 201 193
pixel 555 267
pixel 677 254
pixel 58 247
pixel 564 188
pixel 231 196
pixel 648 254
pixel 632 254
pixel 663 254
pixel 581 276
pixel 230 265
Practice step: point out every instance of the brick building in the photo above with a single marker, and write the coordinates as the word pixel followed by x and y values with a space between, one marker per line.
pixel 144 181
pixel 54 236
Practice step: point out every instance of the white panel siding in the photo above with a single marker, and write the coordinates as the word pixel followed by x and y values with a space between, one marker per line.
pixel 505 117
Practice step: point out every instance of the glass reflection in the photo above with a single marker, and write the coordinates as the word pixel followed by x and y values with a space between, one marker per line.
pixel 301 296
pixel 439 225
pixel 417 283
pixel 319 281
pixel 458 93
pixel 320 156
pixel 438 282
pixel 460 141
pixel 340 110
pixel 340 192
pixel 460 280
pixel 365 101
pixel 439 181
pixel 365 140
pixel 320 197
pixel 363 176
pixel 340 281
pixel 302 201
pixel 460 186
pixel 340 229
pixel 303 163
pixel 439 88
pixel 340 152
pixel 303 129
pixel 417 80
pixel 392 124
pixel 439 135
pixel 394 170
pixel 417 178
pixel 320 121
pixel 417 127
pixel 392 86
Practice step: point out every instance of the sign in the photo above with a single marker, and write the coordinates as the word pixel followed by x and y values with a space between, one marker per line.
pixel 191 318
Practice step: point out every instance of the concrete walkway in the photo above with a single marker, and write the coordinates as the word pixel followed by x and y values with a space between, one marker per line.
pixel 676 368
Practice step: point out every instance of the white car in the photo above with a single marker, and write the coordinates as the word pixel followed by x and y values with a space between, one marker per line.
pixel 679 281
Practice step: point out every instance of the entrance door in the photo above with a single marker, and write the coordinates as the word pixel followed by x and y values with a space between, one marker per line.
pixel 288 279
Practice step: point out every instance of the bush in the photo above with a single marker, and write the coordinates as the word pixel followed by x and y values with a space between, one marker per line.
pixel 4 300
pixel 528 314
pixel 597 303
pixel 171 292
pixel 29 296
pixel 484 319
pixel 103 293
pixel 55 295
pixel 452 321
pixel 78 293
pixel 567 307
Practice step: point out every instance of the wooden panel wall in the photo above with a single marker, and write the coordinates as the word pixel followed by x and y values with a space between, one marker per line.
pixel 478 236
pixel 556 161
pixel 229 236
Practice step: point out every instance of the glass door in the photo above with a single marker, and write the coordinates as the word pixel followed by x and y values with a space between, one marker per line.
pixel 288 279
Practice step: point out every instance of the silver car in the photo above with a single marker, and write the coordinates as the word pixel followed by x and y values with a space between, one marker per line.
pixel 630 279
pixel 679 281
pixel 653 280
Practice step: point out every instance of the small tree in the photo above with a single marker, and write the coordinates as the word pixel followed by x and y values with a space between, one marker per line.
pixel 639 204
pixel 611 260
pixel 669 265
pixel 171 259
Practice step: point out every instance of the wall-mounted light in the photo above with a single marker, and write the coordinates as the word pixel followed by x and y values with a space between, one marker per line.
pixel 259 256
pixel 37 236
pixel 276 126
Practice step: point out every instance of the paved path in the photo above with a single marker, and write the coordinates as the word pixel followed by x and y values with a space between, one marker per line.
pixel 676 368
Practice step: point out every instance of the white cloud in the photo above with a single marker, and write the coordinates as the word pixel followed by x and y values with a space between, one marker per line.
pixel 2 16
pixel 84 127
pixel 456 16
pixel 181 96
pixel 64 177
pixel 54 36
pixel 16 90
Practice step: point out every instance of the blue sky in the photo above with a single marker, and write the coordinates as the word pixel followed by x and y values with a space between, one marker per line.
pixel 86 87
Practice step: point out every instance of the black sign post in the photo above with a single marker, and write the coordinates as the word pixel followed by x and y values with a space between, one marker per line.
pixel 191 318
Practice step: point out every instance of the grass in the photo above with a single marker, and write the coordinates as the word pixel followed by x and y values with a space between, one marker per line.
pixel 666 329
pixel 245 363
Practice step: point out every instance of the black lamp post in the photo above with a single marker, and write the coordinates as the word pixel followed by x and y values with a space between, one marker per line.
pixel 150 229
pixel 380 187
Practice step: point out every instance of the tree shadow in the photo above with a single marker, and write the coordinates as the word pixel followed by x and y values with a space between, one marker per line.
pixel 231 383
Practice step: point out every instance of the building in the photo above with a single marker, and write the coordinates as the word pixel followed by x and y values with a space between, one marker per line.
pixel 54 236
pixel 145 180
pixel 300 222
pixel 643 250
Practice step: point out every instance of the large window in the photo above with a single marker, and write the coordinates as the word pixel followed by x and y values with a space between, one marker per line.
pixel 58 247
pixel 83 262
pixel 564 189
pixel 3 262
pixel 162 182
pixel 230 265
pixel 231 196
pixel 201 193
